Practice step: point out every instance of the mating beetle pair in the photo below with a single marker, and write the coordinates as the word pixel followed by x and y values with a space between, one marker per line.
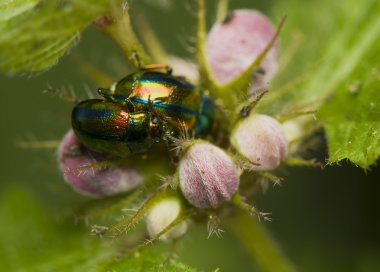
pixel 142 108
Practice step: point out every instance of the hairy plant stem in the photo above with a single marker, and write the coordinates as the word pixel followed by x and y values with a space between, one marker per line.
pixel 258 243
pixel 120 30
pixel 150 40
pixel 244 79
pixel 207 79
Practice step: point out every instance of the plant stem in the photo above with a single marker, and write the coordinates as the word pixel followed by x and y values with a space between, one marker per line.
pixel 258 242
pixel 243 80
pixel 151 41
pixel 120 30
pixel 207 79
pixel 206 76
pixel 222 10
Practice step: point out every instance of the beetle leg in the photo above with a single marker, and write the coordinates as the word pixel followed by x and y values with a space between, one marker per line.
pixel 166 67
pixel 151 108
pixel 130 105
pixel 106 93
pixel 169 143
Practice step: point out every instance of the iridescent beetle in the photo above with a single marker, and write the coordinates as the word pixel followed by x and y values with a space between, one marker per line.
pixel 143 108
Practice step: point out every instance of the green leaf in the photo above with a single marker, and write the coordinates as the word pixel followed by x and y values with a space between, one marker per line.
pixel 34 240
pixel 352 118
pixel 354 37
pixel 35 34
pixel 345 57
pixel 11 9
pixel 148 260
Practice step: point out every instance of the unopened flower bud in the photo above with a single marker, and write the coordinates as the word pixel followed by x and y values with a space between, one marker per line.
pixel 292 130
pixel 207 175
pixel 75 162
pixel 232 45
pixel 296 129
pixel 161 215
pixel 261 139
pixel 184 67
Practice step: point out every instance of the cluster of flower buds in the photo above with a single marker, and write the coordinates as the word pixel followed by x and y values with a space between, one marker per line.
pixel 207 175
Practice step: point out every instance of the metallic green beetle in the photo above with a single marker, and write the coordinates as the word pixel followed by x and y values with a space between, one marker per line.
pixel 143 108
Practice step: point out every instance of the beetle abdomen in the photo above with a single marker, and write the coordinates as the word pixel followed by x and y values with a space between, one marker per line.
pixel 106 127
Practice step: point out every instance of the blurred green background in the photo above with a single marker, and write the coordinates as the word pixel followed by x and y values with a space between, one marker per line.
pixel 324 220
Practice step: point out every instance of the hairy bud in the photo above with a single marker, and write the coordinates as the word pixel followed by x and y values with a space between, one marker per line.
pixel 207 175
pixel 232 45
pixel 161 215
pixel 184 67
pixel 261 139
pixel 75 161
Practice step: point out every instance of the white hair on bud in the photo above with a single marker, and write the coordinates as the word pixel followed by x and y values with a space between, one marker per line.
pixel 164 213
pixel 233 44
pixel 207 176
pixel 79 167
pixel 261 139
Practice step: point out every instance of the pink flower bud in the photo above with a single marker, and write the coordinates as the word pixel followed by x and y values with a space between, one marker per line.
pixel 207 175
pixel 97 181
pixel 184 67
pixel 261 139
pixel 234 44
pixel 161 215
